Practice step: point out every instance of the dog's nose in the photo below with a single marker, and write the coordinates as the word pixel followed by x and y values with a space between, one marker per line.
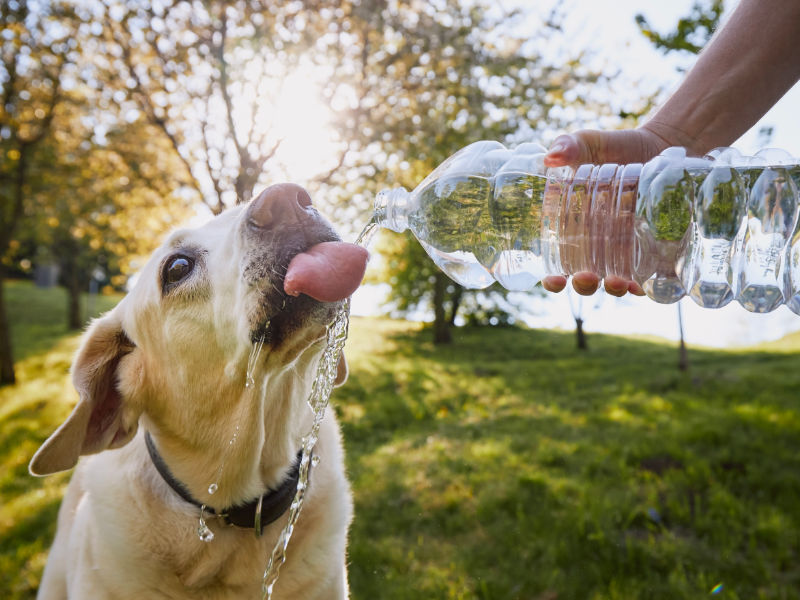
pixel 279 204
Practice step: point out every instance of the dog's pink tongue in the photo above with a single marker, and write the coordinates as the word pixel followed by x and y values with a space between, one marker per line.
pixel 327 272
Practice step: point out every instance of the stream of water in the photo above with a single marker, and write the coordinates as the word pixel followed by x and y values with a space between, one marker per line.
pixel 336 335
pixel 317 401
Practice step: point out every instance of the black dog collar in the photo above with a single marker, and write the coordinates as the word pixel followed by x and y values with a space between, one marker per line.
pixel 269 506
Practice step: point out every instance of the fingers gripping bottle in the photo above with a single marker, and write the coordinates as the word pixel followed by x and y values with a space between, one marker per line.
pixel 719 228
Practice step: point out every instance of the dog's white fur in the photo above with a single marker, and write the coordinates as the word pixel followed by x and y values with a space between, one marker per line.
pixel 174 364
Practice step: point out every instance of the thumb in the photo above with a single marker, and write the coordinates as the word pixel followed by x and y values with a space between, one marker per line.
pixel 565 150
pixel 590 146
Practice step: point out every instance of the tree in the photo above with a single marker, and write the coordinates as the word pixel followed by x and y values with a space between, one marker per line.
pixel 206 75
pixel 456 74
pixel 409 82
pixel 691 33
pixel 577 314
pixel 99 205
pixel 37 44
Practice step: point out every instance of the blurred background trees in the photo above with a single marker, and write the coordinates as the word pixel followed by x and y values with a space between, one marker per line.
pixel 121 118
pixel 37 44
pixel 408 83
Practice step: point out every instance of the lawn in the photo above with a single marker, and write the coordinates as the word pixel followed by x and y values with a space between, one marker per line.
pixel 511 465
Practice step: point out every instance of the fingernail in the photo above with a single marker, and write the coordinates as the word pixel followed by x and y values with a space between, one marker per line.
pixel 560 144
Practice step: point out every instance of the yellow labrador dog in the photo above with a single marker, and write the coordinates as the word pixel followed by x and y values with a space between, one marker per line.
pixel 164 404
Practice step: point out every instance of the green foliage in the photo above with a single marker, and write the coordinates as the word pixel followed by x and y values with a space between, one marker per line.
pixel 691 33
pixel 511 465
pixel 37 46
pixel 435 81
pixel 721 200
pixel 669 210
pixel 103 204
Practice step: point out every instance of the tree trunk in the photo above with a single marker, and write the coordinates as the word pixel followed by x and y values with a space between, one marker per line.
pixel 580 335
pixel 73 287
pixel 455 302
pixel 11 218
pixel 7 376
pixel 441 327
pixel 74 320
pixel 683 355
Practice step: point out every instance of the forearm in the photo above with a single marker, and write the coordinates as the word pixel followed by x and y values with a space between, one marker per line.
pixel 749 64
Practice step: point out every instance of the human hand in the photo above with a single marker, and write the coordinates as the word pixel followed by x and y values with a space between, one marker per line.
pixel 599 147
pixel 595 147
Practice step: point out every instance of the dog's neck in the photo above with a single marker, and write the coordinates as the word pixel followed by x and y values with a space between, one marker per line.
pixel 247 447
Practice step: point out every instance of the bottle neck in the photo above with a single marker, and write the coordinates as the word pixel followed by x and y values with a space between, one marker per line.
pixel 391 207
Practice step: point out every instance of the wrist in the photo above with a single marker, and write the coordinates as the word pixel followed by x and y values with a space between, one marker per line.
pixel 657 136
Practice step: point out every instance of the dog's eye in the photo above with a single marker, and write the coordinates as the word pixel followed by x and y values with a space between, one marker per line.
pixel 177 269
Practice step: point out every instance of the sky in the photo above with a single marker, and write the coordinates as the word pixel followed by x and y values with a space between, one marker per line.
pixel 608 29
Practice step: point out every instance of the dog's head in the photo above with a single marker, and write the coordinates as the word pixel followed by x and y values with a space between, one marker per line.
pixel 189 325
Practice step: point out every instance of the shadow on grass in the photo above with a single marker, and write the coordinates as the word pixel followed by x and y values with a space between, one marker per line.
pixel 510 465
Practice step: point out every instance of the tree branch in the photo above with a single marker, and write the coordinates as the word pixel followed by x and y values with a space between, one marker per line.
pixel 145 101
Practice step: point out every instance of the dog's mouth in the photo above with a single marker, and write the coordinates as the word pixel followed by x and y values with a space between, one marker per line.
pixel 297 267
pixel 307 288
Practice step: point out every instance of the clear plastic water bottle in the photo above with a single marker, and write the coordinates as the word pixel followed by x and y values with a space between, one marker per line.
pixel 717 228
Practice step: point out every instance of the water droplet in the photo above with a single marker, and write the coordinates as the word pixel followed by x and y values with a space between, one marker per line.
pixel 212 489
pixel 204 533
pixel 716 589
pixel 315 461
pixel 252 361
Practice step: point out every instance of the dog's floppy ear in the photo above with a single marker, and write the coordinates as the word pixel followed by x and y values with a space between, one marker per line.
pixel 341 371
pixel 100 420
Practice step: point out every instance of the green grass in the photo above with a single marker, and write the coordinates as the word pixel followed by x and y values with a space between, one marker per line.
pixel 29 411
pixel 511 465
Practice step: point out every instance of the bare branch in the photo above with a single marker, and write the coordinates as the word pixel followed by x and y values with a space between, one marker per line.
pixel 219 50
pixel 215 180
pixel 327 177
pixel 146 102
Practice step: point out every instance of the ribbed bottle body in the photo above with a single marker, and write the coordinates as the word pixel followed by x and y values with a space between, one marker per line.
pixel 719 228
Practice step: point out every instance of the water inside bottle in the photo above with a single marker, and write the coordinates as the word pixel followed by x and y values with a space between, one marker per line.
pixel 518 259
pixel 451 222
pixel 717 228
